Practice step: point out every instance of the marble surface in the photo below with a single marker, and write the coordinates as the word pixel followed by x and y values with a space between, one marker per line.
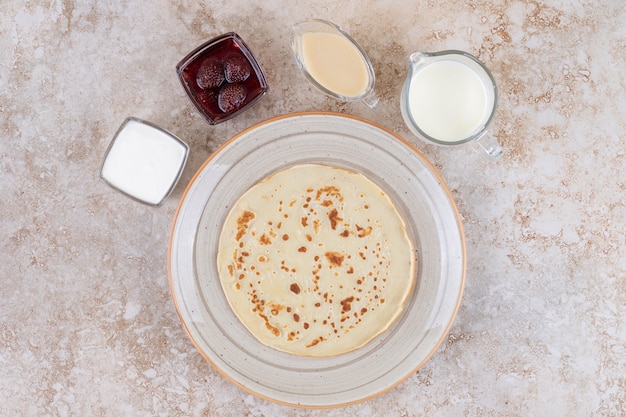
pixel 87 325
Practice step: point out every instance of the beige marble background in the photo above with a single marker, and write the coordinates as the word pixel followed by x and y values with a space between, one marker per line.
pixel 87 325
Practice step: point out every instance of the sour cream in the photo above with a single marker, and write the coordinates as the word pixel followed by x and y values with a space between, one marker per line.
pixel 144 161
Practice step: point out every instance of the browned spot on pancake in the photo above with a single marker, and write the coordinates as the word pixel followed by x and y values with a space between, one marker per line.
pixel 363 231
pixel 316 225
pixel 330 191
pixel 327 203
pixel 316 342
pixel 285 268
pixel 294 288
pixel 346 304
pixel 304 221
pixel 296 317
pixel 345 233
pixel 274 330
pixel 334 218
pixel 238 260
pixel 335 258
pixel 302 249
pixel 285 236
pixel 242 223
pixel 265 240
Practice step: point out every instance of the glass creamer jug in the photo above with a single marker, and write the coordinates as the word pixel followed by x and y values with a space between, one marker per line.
pixel 449 98
pixel 333 61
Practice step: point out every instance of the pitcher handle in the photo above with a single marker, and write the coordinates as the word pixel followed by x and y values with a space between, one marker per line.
pixel 490 146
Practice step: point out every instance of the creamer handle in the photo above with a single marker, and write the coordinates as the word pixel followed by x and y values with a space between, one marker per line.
pixel 490 146
pixel 371 99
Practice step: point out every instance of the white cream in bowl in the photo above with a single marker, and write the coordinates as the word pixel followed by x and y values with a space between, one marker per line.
pixel 144 161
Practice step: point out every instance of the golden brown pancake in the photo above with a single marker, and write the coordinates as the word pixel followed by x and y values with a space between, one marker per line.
pixel 315 260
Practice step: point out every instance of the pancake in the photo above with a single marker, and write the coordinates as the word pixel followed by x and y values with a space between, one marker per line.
pixel 315 260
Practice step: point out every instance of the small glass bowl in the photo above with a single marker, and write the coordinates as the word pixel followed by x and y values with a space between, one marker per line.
pixel 222 78
pixel 144 161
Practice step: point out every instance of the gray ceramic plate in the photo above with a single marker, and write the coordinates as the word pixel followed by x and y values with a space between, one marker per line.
pixel 421 197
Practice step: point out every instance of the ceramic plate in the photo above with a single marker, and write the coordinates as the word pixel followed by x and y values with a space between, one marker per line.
pixel 347 142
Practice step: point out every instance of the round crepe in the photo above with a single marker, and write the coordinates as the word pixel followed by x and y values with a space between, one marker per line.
pixel 315 260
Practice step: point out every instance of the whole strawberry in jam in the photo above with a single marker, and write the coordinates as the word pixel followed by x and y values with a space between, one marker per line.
pixel 231 97
pixel 236 68
pixel 210 74
pixel 208 99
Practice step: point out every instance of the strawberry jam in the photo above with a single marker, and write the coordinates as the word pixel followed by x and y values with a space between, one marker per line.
pixel 222 78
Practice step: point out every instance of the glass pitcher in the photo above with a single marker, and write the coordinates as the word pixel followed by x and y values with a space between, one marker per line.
pixel 449 98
